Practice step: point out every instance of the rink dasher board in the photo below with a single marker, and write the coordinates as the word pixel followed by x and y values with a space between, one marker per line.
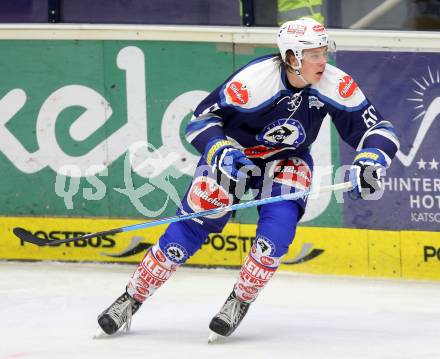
pixel 316 250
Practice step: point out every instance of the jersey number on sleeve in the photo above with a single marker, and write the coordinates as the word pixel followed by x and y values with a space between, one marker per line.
pixel 369 116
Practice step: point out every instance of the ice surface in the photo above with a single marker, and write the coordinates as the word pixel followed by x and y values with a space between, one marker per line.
pixel 49 310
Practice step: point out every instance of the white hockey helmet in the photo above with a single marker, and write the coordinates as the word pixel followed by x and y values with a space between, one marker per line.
pixel 298 35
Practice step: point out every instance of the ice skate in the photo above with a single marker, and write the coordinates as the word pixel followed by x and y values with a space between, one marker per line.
pixel 228 318
pixel 118 314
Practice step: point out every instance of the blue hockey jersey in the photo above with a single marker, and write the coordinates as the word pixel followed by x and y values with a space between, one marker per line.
pixel 262 114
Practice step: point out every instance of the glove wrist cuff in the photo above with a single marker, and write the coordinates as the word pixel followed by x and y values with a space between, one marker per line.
pixel 215 148
pixel 370 155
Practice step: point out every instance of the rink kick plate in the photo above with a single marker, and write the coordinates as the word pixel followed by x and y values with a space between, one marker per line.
pixel 337 251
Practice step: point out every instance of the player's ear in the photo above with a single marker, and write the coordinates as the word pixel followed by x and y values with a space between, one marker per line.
pixel 291 59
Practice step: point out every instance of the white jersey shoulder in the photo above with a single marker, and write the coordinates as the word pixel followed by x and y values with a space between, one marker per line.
pixel 339 88
pixel 253 86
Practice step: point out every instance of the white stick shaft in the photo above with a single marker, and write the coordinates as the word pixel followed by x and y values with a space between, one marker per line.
pixel 233 207
pixel 237 206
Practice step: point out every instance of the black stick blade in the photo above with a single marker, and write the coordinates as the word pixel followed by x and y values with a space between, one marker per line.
pixel 27 236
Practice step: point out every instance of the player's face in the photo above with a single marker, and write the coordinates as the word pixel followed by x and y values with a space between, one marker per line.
pixel 313 64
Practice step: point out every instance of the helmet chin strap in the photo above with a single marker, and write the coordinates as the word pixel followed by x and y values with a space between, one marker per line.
pixel 297 71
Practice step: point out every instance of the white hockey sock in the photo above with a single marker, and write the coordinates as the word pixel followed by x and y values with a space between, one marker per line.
pixel 254 275
pixel 151 273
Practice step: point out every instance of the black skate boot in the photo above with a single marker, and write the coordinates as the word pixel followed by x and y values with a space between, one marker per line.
pixel 118 314
pixel 229 317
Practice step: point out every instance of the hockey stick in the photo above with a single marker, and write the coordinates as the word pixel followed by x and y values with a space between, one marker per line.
pixel 27 236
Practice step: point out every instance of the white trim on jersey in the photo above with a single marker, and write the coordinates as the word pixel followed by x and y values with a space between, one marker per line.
pixel 260 82
pixel 329 87
pixel 379 131
pixel 215 121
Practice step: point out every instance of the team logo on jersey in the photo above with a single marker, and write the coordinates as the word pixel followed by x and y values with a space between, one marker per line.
pixel 264 246
pixel 314 102
pixel 176 253
pixel 294 172
pixel 347 87
pixel 283 132
pixel 237 93
pixel 206 194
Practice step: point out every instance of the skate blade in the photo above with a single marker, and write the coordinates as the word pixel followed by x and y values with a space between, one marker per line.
pixel 214 337
pixel 100 334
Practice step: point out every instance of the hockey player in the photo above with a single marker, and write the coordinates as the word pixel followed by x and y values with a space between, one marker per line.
pixel 255 131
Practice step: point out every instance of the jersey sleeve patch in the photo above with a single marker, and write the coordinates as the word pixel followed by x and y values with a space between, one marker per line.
pixel 237 93
pixel 347 87
pixel 338 104
pixel 339 90
pixel 252 87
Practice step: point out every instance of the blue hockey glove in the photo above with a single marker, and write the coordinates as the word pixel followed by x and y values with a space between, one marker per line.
pixel 366 173
pixel 221 155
